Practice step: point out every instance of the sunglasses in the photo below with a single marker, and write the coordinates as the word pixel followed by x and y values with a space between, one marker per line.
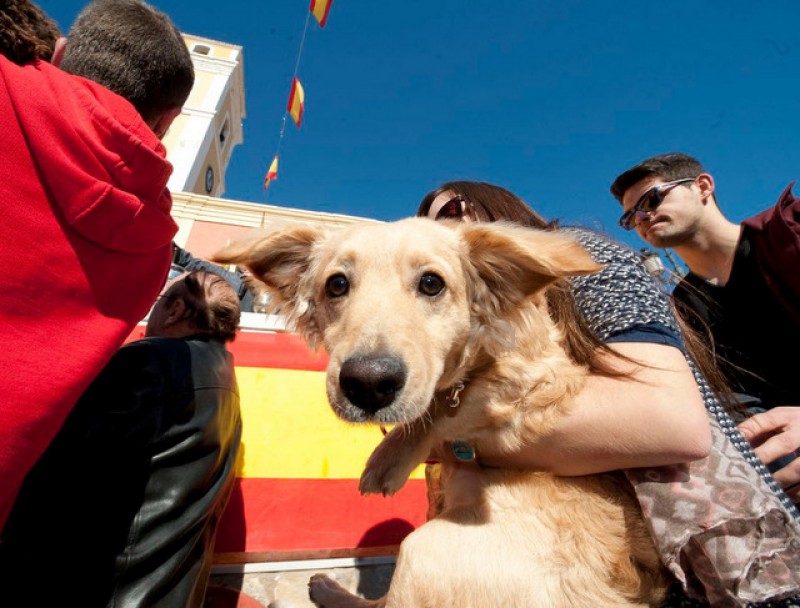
pixel 454 209
pixel 648 202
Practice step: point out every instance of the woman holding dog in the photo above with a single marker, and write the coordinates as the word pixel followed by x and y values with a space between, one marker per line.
pixel 679 447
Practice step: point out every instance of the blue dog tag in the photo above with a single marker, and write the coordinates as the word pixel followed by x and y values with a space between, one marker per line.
pixel 463 451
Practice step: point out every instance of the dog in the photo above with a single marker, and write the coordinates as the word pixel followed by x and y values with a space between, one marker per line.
pixel 442 330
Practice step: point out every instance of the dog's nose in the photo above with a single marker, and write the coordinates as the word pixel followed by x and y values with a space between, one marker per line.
pixel 371 383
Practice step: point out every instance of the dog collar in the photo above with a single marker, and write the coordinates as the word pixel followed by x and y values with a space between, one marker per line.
pixel 453 398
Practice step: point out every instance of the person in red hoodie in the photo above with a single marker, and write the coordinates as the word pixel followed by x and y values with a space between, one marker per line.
pixel 86 236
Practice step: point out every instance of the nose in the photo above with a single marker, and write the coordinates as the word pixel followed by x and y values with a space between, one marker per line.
pixel 372 382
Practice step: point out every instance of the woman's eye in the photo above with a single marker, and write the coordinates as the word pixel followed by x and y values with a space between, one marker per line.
pixel 337 286
pixel 431 284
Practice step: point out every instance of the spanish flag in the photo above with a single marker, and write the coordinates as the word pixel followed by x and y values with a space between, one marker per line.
pixel 321 8
pixel 296 100
pixel 272 173
pixel 297 487
pixel 299 465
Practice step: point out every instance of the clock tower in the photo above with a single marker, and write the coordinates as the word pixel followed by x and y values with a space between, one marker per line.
pixel 200 141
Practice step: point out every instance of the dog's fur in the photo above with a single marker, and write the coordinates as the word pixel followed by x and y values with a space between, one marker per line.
pixel 407 310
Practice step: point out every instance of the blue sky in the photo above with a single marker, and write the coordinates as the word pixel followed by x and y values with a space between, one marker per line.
pixel 551 99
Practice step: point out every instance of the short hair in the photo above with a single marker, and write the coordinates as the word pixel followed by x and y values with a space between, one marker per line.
pixel 26 32
pixel 669 167
pixel 488 203
pixel 135 51
pixel 212 305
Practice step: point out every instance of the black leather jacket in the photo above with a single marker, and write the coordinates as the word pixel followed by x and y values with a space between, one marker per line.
pixel 124 504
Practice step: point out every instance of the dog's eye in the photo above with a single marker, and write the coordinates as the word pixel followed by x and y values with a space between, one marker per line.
pixel 431 284
pixel 337 286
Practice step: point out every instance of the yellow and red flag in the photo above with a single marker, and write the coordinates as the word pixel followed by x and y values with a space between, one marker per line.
pixel 296 101
pixel 272 173
pixel 320 9
pixel 293 448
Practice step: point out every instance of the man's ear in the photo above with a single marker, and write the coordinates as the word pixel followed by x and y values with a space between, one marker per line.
pixel 706 185
pixel 58 51
pixel 176 309
pixel 162 122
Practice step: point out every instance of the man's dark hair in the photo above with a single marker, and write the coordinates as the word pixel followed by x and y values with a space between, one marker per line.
pixel 668 167
pixel 26 33
pixel 212 306
pixel 134 50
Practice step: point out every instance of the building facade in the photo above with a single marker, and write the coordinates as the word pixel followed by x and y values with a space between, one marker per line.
pixel 201 140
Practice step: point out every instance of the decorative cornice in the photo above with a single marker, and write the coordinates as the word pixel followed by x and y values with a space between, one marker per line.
pixel 213 65
pixel 190 206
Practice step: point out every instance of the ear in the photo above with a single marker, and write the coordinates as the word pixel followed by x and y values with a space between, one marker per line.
pixel 514 263
pixel 163 121
pixel 280 259
pixel 175 311
pixel 58 51
pixel 706 185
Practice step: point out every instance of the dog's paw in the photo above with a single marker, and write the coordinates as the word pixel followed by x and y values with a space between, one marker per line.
pixel 394 459
pixel 383 477
pixel 326 592
pixel 371 483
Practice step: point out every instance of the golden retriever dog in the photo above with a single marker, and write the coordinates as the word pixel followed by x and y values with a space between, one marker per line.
pixel 442 330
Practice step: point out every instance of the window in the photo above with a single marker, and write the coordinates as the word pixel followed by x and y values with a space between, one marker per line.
pixel 223 133
pixel 201 49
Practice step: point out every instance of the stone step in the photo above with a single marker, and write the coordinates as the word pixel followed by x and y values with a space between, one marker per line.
pixel 289 588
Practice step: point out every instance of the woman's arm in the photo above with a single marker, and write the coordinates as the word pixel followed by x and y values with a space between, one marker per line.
pixel 654 416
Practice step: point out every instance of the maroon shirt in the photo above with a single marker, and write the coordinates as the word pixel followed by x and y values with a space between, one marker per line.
pixel 754 318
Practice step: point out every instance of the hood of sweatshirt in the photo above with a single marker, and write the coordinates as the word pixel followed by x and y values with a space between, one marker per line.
pixel 100 163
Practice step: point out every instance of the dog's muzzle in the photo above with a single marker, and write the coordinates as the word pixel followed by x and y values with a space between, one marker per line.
pixel 372 382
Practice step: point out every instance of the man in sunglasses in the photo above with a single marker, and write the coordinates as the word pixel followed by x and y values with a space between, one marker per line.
pixel 742 290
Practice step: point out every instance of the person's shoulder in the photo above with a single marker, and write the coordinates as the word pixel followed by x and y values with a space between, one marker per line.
pixel 603 248
pixel 152 349
pixel 126 366
pixel 57 81
pixel 205 343
pixel 787 205
pixel 38 82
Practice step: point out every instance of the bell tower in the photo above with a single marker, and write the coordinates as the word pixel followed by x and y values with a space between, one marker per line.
pixel 200 141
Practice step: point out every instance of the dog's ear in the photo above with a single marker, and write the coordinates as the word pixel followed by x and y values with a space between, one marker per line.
pixel 514 262
pixel 280 259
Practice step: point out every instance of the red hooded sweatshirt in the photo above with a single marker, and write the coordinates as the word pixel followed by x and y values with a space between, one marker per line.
pixel 85 237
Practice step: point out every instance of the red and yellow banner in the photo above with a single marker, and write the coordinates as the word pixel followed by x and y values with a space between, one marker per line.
pixel 296 104
pixel 320 9
pixel 299 464
pixel 272 172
